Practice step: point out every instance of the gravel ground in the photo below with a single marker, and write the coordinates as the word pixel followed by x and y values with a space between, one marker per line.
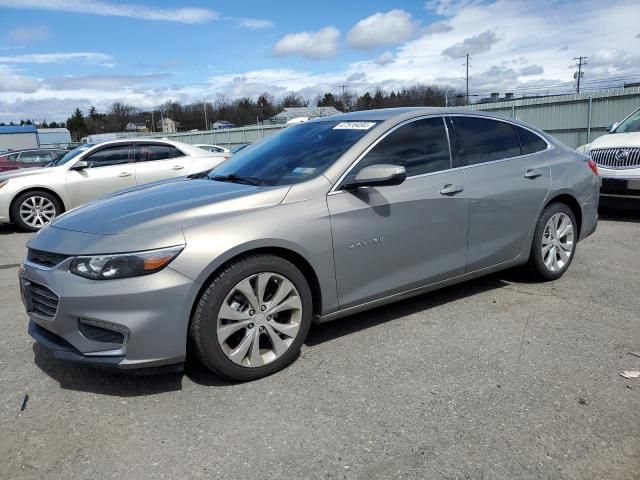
pixel 497 378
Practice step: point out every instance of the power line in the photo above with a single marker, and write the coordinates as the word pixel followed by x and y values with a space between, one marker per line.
pixel 582 61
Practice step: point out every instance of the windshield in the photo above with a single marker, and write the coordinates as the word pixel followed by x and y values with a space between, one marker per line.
pixel 631 124
pixel 294 155
pixel 70 155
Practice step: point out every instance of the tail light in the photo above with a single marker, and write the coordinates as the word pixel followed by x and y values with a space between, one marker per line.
pixel 593 166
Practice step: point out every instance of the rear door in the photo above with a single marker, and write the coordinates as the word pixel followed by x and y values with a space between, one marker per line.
pixel 391 239
pixel 110 169
pixel 159 161
pixel 505 189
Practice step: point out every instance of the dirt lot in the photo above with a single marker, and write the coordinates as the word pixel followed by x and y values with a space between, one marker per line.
pixel 497 378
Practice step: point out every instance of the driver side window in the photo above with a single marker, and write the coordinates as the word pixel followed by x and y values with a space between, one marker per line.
pixel 420 147
pixel 115 155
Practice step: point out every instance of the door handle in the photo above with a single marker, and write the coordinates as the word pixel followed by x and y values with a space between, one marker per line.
pixel 449 189
pixel 533 173
pixel 178 167
pixel 125 174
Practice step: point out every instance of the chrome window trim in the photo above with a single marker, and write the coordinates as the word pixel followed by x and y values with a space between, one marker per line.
pixel 335 188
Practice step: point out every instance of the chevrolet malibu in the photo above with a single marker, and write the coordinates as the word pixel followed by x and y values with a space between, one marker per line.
pixel 32 197
pixel 324 219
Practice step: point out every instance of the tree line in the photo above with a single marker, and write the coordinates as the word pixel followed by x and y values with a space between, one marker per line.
pixel 248 111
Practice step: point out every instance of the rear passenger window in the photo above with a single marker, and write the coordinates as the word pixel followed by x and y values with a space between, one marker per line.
pixel 530 142
pixel 147 153
pixel 420 147
pixel 485 139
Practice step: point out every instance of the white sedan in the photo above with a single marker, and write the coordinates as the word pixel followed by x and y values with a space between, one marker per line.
pixel 31 198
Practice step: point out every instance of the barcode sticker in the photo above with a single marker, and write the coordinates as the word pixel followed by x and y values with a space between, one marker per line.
pixel 354 126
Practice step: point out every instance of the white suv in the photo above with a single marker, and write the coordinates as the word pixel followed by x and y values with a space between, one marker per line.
pixel 618 158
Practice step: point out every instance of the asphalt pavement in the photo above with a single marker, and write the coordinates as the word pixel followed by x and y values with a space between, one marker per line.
pixel 497 378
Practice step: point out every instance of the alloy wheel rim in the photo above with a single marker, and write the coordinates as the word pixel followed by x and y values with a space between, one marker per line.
pixel 557 242
pixel 37 211
pixel 259 319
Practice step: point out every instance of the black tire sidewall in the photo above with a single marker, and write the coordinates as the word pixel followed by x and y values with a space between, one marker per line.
pixel 536 261
pixel 206 342
pixel 15 208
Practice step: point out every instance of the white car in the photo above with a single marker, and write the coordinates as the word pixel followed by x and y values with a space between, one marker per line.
pixel 33 197
pixel 618 158
pixel 212 148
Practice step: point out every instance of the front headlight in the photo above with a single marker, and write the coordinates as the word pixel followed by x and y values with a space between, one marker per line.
pixel 124 265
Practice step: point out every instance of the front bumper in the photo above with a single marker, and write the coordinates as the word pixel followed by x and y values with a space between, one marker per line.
pixel 150 315
pixel 620 187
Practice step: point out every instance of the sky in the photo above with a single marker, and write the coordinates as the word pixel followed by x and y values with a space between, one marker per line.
pixel 56 55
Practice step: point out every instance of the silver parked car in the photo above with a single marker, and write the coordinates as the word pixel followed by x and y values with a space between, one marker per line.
pixel 324 219
pixel 31 198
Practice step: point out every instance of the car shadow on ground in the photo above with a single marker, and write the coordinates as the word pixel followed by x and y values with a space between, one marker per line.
pixel 9 229
pixel 71 376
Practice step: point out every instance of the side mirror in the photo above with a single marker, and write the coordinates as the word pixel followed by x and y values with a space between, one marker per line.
pixel 612 127
pixel 80 165
pixel 378 176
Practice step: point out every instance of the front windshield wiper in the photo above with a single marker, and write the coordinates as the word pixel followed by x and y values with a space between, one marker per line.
pixel 239 179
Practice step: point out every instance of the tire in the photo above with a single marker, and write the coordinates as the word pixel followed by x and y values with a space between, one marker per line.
pixel 223 299
pixel 44 208
pixel 541 264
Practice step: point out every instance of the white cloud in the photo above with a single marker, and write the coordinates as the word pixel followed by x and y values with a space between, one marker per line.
pixel 25 35
pixel 109 9
pixel 473 45
pixel 531 70
pixel 12 81
pixel 437 27
pixel 71 82
pixel 385 58
pixel 255 23
pixel 314 45
pixel 380 29
pixel 40 58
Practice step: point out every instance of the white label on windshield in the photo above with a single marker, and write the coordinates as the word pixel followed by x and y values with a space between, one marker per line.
pixel 304 170
pixel 354 126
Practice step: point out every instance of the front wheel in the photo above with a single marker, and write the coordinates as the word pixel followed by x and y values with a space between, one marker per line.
pixel 251 320
pixel 33 210
pixel 554 242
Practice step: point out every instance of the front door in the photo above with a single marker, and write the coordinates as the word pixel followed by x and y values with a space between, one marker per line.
pixel 391 239
pixel 110 169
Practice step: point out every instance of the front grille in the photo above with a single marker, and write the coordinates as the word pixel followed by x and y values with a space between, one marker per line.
pixel 46 259
pixel 43 301
pixel 625 157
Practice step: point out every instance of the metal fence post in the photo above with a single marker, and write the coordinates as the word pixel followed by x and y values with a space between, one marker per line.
pixel 513 111
pixel 589 119
pixel 228 138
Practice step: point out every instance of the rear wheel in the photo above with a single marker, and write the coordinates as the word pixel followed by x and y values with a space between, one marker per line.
pixel 251 320
pixel 554 242
pixel 33 210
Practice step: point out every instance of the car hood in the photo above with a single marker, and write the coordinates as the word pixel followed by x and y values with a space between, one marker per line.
pixel 25 172
pixel 167 205
pixel 611 140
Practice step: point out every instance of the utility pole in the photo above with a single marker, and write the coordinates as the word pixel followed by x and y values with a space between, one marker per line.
pixel 582 61
pixel 204 107
pixel 344 98
pixel 467 65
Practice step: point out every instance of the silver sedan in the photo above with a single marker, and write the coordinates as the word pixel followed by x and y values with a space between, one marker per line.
pixel 325 219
